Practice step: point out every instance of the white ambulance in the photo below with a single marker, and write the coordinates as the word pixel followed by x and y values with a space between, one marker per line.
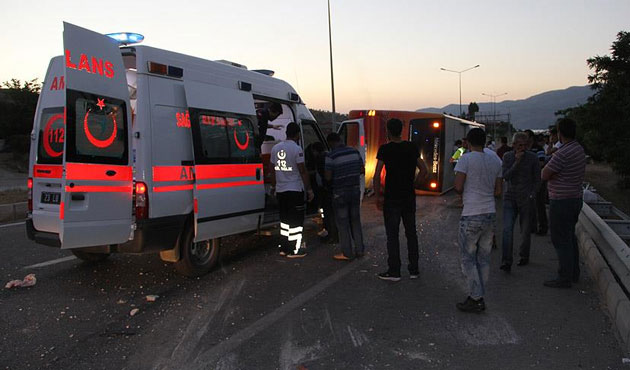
pixel 136 149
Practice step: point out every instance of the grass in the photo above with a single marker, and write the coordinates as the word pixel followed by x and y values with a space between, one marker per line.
pixel 605 181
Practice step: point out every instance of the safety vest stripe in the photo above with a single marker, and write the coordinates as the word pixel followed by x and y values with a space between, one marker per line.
pixel 48 171
pixel 99 189
pixel 101 172
pixel 163 189
pixel 228 184
pixel 173 173
pixel 223 171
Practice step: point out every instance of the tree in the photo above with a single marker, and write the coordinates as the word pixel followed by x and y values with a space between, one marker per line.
pixel 18 101
pixel 604 120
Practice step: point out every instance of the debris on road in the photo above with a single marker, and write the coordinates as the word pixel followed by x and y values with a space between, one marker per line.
pixel 152 297
pixel 134 312
pixel 29 280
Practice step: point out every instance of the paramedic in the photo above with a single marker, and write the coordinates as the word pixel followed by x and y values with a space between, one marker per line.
pixel 266 115
pixel 290 179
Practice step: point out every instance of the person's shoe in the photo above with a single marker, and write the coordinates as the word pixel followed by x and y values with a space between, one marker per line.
pixel 282 253
pixel 389 277
pixel 301 253
pixel 341 257
pixel 471 305
pixel 523 262
pixel 414 275
pixel 323 233
pixel 562 284
pixel 505 267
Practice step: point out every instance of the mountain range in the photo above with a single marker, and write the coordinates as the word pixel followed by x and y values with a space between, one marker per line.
pixel 535 112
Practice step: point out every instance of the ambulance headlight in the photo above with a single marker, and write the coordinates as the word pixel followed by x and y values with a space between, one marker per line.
pixel 126 38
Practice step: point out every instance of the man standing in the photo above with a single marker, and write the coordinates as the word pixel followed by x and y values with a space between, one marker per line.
pixel 290 179
pixel 266 115
pixel 400 158
pixel 504 148
pixel 564 174
pixel 478 177
pixel 463 146
pixel 343 170
pixel 522 173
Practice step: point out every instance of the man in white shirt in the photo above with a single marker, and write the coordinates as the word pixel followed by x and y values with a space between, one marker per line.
pixel 290 179
pixel 478 177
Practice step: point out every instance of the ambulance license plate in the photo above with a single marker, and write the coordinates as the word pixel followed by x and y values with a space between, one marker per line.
pixel 51 198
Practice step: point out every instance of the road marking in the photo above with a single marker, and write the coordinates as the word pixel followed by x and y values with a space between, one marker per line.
pixel 15 224
pixel 51 262
pixel 215 353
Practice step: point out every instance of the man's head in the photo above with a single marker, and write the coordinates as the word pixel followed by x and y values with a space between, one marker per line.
pixel 394 128
pixel 275 110
pixel 519 141
pixel 293 131
pixel 504 140
pixel 554 134
pixel 464 143
pixel 566 129
pixel 334 140
pixel 476 137
pixel 458 143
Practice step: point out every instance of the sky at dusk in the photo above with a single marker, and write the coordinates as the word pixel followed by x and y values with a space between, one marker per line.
pixel 387 54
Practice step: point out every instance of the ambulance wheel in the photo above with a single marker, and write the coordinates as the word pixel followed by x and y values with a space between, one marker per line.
pixel 89 256
pixel 199 258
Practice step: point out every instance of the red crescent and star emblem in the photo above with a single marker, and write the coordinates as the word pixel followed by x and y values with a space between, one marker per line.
pixel 96 142
pixel 47 132
pixel 240 145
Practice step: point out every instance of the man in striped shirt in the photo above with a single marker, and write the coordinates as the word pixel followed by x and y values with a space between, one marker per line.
pixel 343 169
pixel 565 174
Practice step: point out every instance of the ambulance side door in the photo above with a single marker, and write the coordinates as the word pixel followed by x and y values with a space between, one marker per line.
pixel 96 199
pixel 229 192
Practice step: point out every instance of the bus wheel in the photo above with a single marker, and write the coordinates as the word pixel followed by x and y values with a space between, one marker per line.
pixel 197 259
pixel 89 256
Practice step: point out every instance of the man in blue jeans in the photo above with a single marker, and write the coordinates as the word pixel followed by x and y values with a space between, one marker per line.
pixel 400 159
pixel 343 169
pixel 478 178
pixel 564 174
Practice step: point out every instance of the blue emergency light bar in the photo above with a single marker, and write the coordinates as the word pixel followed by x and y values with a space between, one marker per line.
pixel 126 38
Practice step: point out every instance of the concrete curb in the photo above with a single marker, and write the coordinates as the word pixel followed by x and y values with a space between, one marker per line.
pixel 617 303
pixel 13 212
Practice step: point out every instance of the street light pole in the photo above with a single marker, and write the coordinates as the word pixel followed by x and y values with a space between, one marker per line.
pixel 332 79
pixel 460 83
pixel 494 112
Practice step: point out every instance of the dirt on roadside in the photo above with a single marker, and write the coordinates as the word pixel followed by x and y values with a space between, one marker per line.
pixel 605 181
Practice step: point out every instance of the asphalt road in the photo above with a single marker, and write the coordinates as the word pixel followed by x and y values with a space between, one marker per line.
pixel 261 311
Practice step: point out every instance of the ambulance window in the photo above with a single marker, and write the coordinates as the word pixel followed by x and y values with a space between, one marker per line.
pixel 97 130
pixel 243 148
pixel 350 134
pixel 309 134
pixel 52 134
pixel 214 139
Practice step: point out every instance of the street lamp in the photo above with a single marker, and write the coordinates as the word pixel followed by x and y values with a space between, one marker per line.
pixel 494 112
pixel 332 80
pixel 460 83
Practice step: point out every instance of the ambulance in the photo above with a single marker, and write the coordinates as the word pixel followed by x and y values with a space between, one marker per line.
pixel 135 149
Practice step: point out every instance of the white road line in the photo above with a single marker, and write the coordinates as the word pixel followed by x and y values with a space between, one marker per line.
pixel 51 262
pixel 15 224
pixel 209 357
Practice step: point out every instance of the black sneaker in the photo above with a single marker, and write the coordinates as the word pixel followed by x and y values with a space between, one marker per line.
pixel 414 275
pixel 505 267
pixel 562 284
pixel 389 277
pixel 471 305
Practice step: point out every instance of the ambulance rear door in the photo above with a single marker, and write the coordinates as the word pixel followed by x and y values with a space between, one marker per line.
pixel 229 192
pixel 96 197
pixel 352 133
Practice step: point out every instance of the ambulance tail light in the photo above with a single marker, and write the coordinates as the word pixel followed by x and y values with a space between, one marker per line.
pixel 29 185
pixel 164 70
pixel 141 201
pixel 433 185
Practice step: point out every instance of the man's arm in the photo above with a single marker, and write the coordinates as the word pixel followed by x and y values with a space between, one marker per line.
pixel 460 180
pixel 306 181
pixel 510 164
pixel 498 187
pixel 547 173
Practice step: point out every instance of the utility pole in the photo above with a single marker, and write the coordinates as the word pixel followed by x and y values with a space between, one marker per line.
pixel 460 83
pixel 332 79
pixel 494 113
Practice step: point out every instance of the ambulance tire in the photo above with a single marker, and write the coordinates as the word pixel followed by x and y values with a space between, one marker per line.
pixel 89 256
pixel 197 259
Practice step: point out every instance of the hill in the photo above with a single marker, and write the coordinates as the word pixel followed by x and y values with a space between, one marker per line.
pixel 535 112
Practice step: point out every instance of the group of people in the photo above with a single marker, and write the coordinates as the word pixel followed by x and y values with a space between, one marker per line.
pixel 529 177
pixel 481 175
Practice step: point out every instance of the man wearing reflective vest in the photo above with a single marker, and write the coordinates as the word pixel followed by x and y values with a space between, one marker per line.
pixel 290 179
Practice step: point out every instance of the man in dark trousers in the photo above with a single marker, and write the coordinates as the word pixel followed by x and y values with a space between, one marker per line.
pixel 400 159
pixel 564 174
pixel 290 180
pixel 522 173
pixel 343 170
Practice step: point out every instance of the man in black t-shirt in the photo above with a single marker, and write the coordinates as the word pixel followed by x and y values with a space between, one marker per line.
pixel 400 158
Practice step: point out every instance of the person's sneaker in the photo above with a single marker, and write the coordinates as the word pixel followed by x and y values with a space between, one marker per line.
pixel 523 262
pixel 414 275
pixel 505 267
pixel 471 305
pixel 301 253
pixel 562 284
pixel 389 277
pixel 323 233
pixel 282 253
pixel 341 257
